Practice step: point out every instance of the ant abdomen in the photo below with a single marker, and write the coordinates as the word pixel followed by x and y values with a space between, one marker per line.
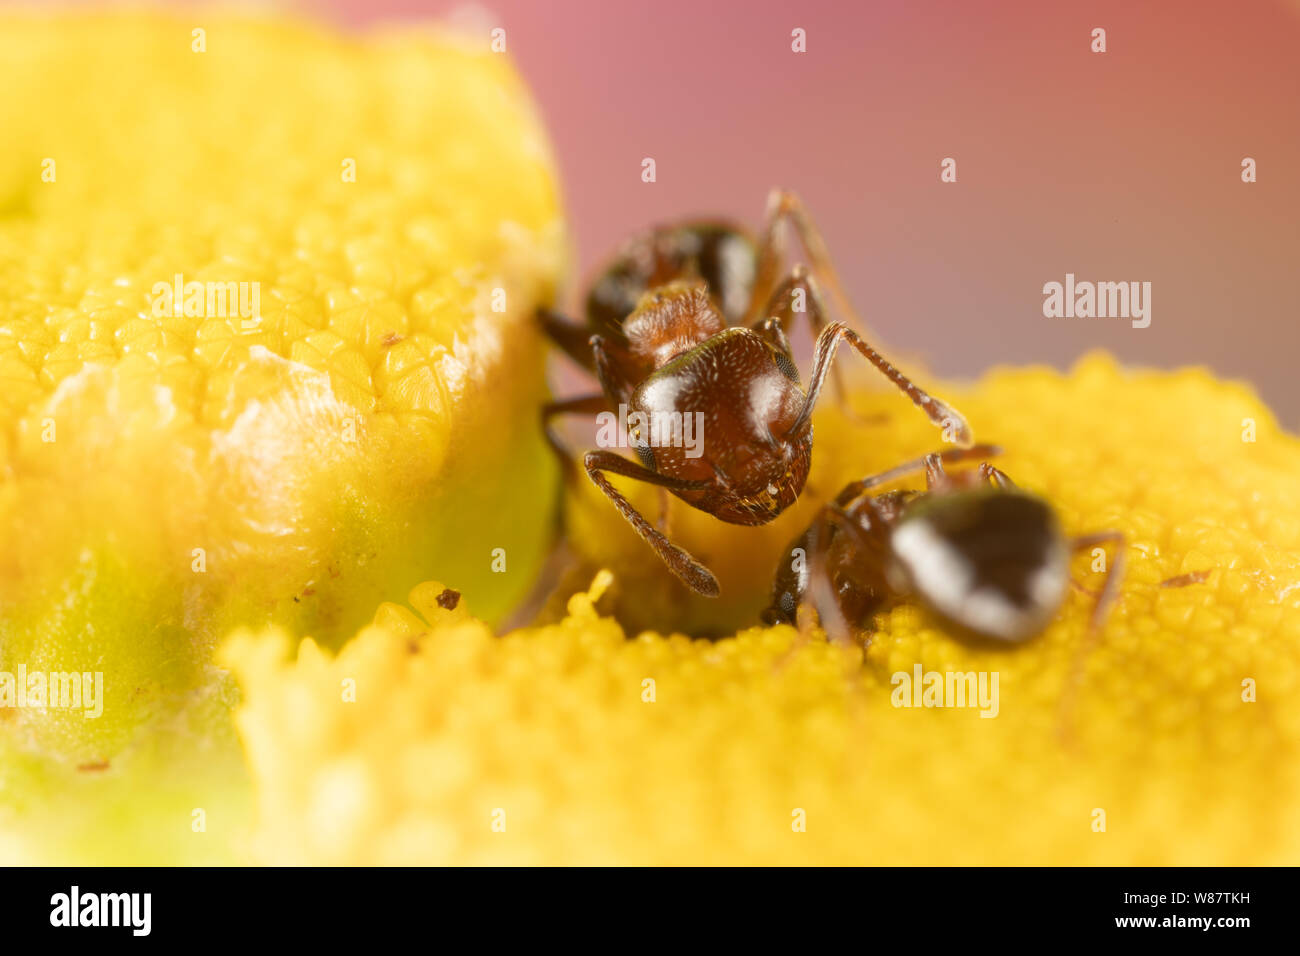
pixel 993 562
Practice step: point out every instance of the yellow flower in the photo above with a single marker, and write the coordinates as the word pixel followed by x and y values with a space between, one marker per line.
pixel 339 402
pixel 427 739
pixel 170 476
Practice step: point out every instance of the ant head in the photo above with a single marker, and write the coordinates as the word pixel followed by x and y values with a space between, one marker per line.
pixel 762 460
pixel 992 562
pixel 790 583
pixel 747 451
pixel 763 477
pixel 781 611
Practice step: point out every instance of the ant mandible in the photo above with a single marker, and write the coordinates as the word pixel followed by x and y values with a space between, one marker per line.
pixel 985 557
pixel 692 319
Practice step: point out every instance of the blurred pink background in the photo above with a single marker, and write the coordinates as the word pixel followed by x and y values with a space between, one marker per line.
pixel 1117 166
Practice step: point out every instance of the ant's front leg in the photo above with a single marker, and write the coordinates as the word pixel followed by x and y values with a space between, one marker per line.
pixel 996 476
pixel 941 414
pixel 784 206
pixel 936 477
pixel 798 295
pixel 925 463
pixel 689 571
pixel 816 592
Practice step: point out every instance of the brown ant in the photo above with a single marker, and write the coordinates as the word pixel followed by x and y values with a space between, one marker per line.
pixel 690 319
pixel 985 557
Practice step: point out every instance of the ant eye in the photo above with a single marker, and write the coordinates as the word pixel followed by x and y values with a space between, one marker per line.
pixel 786 366
pixel 645 453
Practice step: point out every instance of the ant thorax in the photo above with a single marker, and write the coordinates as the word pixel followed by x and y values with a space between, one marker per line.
pixel 671 320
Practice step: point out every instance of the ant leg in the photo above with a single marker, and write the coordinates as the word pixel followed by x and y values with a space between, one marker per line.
pixel 609 361
pixel 663 524
pixel 689 571
pixel 951 456
pixel 1107 596
pixel 781 309
pixel 935 476
pixel 821 593
pixel 782 206
pixel 573 338
pixel 581 404
pixel 995 476
pixel 806 604
pixel 940 413
pixel 615 369
pixel 1114 573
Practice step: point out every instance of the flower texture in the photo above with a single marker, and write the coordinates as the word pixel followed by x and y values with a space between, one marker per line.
pixel 577 742
pixel 267 353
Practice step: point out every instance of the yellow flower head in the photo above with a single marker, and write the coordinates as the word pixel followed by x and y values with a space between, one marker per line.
pixel 266 319
pixel 259 379
pixel 573 743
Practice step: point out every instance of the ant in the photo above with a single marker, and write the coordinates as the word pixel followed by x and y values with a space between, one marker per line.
pixel 985 557
pixel 692 320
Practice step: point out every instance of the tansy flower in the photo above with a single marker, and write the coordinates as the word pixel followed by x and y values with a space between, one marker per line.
pixel 173 476
pixel 428 739
pixel 266 354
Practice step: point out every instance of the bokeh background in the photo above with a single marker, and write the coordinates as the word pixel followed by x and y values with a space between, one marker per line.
pixel 1117 166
